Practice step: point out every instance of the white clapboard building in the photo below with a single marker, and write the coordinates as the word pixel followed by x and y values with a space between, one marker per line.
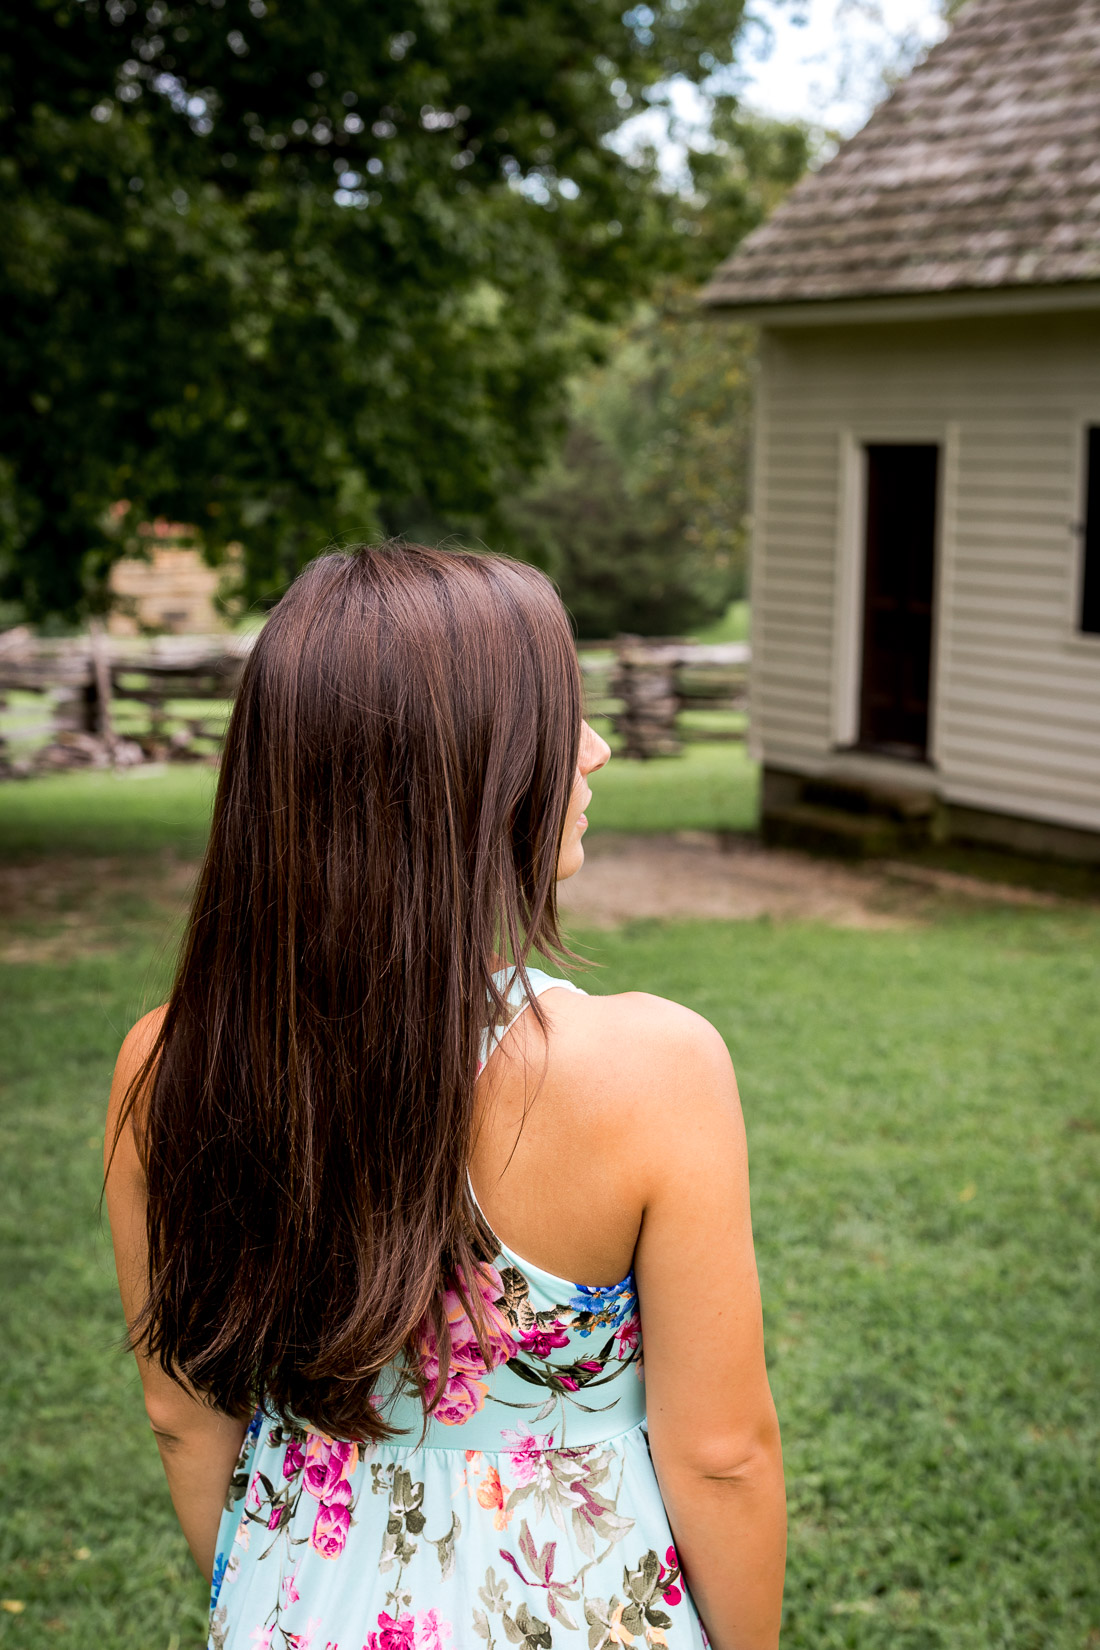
pixel 926 562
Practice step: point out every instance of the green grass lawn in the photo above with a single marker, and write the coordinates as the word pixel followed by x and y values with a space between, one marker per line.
pixel 923 1110
pixel 138 811
pixel 150 810
pixel 708 788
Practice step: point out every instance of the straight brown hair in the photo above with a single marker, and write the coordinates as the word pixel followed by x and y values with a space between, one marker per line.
pixel 393 791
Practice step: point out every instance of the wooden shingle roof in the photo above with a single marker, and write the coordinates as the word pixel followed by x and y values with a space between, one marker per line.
pixel 980 172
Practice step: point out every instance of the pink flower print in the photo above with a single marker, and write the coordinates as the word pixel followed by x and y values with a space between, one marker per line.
pixel 293 1460
pixel 540 1342
pixel 327 1462
pixel 524 1452
pixel 252 1499
pixel 490 1287
pixel 591 1366
pixel 628 1336
pixel 330 1529
pixel 461 1397
pixel 329 1465
pixel 261 1637
pixel 670 1593
pixel 275 1517
pixel 464 1391
pixel 431 1630
pixel 302 1641
pixel 393 1635
pixel 288 1590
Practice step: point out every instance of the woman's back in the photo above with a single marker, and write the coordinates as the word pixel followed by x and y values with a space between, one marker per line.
pixel 454 1442
pixel 516 1518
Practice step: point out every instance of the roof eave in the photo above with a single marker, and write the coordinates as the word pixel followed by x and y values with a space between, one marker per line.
pixel 913 306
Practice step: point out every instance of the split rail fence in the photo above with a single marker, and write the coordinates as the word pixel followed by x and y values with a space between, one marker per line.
pixel 111 702
pixel 653 691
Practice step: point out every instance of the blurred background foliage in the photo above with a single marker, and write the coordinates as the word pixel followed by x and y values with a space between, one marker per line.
pixel 299 273
pixel 641 515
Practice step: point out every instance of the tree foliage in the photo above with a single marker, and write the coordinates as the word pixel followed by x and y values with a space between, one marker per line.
pixel 295 270
pixel 642 517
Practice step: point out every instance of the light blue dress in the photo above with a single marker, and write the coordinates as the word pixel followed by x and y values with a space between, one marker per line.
pixel 529 1516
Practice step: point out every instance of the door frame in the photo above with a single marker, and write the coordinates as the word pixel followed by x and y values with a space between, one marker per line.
pixel 850 569
pixel 1077 640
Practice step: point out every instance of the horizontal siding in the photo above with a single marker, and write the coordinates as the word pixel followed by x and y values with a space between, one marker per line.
pixel 797 620
pixel 1007 585
pixel 978 771
pixel 787 644
pixel 787 691
pixel 1034 746
pixel 1045 713
pixel 806 588
pixel 1032 648
pixel 788 698
pixel 1005 672
pixel 1017 703
pixel 972 611
pixel 1013 529
pixel 996 553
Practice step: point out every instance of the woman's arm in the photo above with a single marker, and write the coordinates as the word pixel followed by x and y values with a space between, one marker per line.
pixel 712 1424
pixel 198 1445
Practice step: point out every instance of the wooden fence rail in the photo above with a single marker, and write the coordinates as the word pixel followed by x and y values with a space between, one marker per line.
pixel 101 688
pixel 96 682
pixel 644 687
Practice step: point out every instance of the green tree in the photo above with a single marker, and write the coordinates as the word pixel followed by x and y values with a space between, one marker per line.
pixel 641 519
pixel 292 270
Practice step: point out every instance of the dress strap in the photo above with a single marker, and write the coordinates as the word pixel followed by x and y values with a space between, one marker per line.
pixel 517 999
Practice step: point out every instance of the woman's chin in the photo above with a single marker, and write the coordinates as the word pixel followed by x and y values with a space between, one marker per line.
pixel 570 863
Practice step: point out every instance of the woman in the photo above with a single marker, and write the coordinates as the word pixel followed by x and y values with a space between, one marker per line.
pixel 385 1427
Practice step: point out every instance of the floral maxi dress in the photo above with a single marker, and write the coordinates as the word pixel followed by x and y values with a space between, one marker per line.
pixel 530 1515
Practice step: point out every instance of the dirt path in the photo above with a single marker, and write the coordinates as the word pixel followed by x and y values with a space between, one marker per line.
pixel 55 909
pixel 696 874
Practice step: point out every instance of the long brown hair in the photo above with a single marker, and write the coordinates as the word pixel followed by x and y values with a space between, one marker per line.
pixel 393 791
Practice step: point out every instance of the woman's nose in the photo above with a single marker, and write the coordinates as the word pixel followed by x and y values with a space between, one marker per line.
pixel 595 752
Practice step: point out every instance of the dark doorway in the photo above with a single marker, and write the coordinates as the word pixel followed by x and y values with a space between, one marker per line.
pixel 897 599
pixel 1090 580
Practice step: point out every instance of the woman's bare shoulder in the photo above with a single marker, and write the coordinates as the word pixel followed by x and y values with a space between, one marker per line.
pixel 636 1026
pixel 641 1053
pixel 137 1045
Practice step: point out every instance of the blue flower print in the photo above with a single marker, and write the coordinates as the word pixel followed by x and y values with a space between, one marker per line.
pixel 218 1577
pixel 604 1308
